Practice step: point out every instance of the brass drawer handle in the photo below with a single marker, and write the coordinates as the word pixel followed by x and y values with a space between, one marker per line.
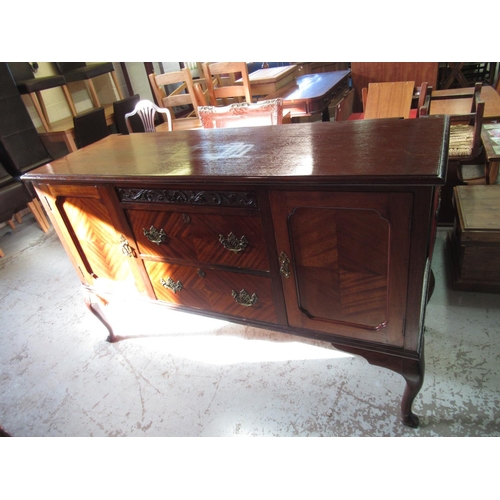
pixel 171 284
pixel 232 243
pixel 284 263
pixel 244 298
pixel 154 235
pixel 126 250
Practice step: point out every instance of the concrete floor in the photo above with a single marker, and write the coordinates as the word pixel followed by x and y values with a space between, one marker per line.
pixel 175 374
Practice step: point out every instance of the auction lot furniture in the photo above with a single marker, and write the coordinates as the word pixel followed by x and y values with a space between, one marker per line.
pixel 313 94
pixel 474 243
pixel 322 230
pixel 490 135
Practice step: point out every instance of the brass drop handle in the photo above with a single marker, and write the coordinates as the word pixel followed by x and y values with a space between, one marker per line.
pixel 232 243
pixel 244 298
pixel 154 235
pixel 171 284
pixel 284 263
pixel 126 250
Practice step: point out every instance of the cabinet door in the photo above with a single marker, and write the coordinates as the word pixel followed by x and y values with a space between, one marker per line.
pixel 348 262
pixel 89 227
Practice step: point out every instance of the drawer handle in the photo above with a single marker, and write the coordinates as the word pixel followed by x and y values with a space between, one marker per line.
pixel 171 284
pixel 232 243
pixel 126 250
pixel 244 298
pixel 284 263
pixel 154 235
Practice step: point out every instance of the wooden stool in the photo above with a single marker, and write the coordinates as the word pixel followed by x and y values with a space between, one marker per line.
pixel 474 242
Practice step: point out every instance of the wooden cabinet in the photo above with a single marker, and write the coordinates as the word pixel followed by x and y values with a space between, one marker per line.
pixel 323 230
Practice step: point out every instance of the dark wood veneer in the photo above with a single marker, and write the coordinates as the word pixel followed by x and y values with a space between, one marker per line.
pixel 338 220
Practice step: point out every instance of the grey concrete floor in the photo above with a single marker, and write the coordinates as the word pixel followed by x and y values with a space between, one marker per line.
pixel 175 374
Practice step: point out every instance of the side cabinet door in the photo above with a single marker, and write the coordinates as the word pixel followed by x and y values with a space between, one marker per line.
pixel 90 228
pixel 344 262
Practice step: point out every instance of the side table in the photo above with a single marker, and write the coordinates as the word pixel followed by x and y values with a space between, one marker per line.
pixel 490 135
pixel 474 242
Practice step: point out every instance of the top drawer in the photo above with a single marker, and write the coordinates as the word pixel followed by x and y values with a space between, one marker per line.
pixel 228 240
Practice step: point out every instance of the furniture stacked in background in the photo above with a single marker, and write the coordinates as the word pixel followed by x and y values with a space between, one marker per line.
pixel 364 73
pixel 63 130
pixel 26 83
pixel 474 243
pixel 242 114
pixel 183 95
pixel 84 72
pixel 21 150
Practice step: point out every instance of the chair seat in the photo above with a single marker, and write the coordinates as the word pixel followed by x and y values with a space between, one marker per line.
pixel 88 71
pixel 461 141
pixel 39 84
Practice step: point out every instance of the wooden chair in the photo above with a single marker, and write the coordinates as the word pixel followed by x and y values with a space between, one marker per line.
pixel 147 111
pixel 83 72
pixel 90 127
pixel 183 95
pixel 15 197
pixel 388 100
pixel 29 85
pixel 242 114
pixel 121 108
pixel 220 79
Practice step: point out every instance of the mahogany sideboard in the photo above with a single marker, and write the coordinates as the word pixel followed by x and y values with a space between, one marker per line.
pixel 322 230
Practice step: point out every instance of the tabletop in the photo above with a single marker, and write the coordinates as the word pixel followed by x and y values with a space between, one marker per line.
pixel 462 105
pixel 384 151
pixel 266 75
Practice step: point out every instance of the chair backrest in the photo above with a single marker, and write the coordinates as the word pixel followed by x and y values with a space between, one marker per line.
pixel 121 108
pixel 21 71
pixel 388 100
pixel 242 114
pixel 465 132
pixel 182 95
pixel 147 112
pixel 90 127
pixel 220 80
pixel 66 67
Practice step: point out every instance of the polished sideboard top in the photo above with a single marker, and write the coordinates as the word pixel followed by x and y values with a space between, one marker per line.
pixel 380 152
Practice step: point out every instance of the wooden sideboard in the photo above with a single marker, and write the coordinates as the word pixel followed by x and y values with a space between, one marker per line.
pixel 323 230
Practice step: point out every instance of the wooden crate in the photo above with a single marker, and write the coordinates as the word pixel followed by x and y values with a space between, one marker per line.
pixel 474 242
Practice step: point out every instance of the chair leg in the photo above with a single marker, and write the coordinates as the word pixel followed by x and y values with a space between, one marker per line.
pixel 34 100
pixel 69 99
pixel 36 208
pixel 117 85
pixel 11 224
pixel 93 93
pixel 1 253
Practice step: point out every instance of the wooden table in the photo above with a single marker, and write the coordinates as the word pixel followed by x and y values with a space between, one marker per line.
pixel 321 230
pixel 312 94
pixel 490 135
pixel 266 81
pixel 459 102
pixel 64 130
pixel 474 242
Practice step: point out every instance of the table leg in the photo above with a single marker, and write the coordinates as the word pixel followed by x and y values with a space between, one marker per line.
pixel 491 171
pixel 69 140
pixel 97 312
pixel 412 371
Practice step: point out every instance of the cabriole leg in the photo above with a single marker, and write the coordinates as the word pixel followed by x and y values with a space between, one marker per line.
pixel 97 312
pixel 411 369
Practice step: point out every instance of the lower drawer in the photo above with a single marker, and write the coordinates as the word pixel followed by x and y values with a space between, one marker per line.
pixel 234 294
